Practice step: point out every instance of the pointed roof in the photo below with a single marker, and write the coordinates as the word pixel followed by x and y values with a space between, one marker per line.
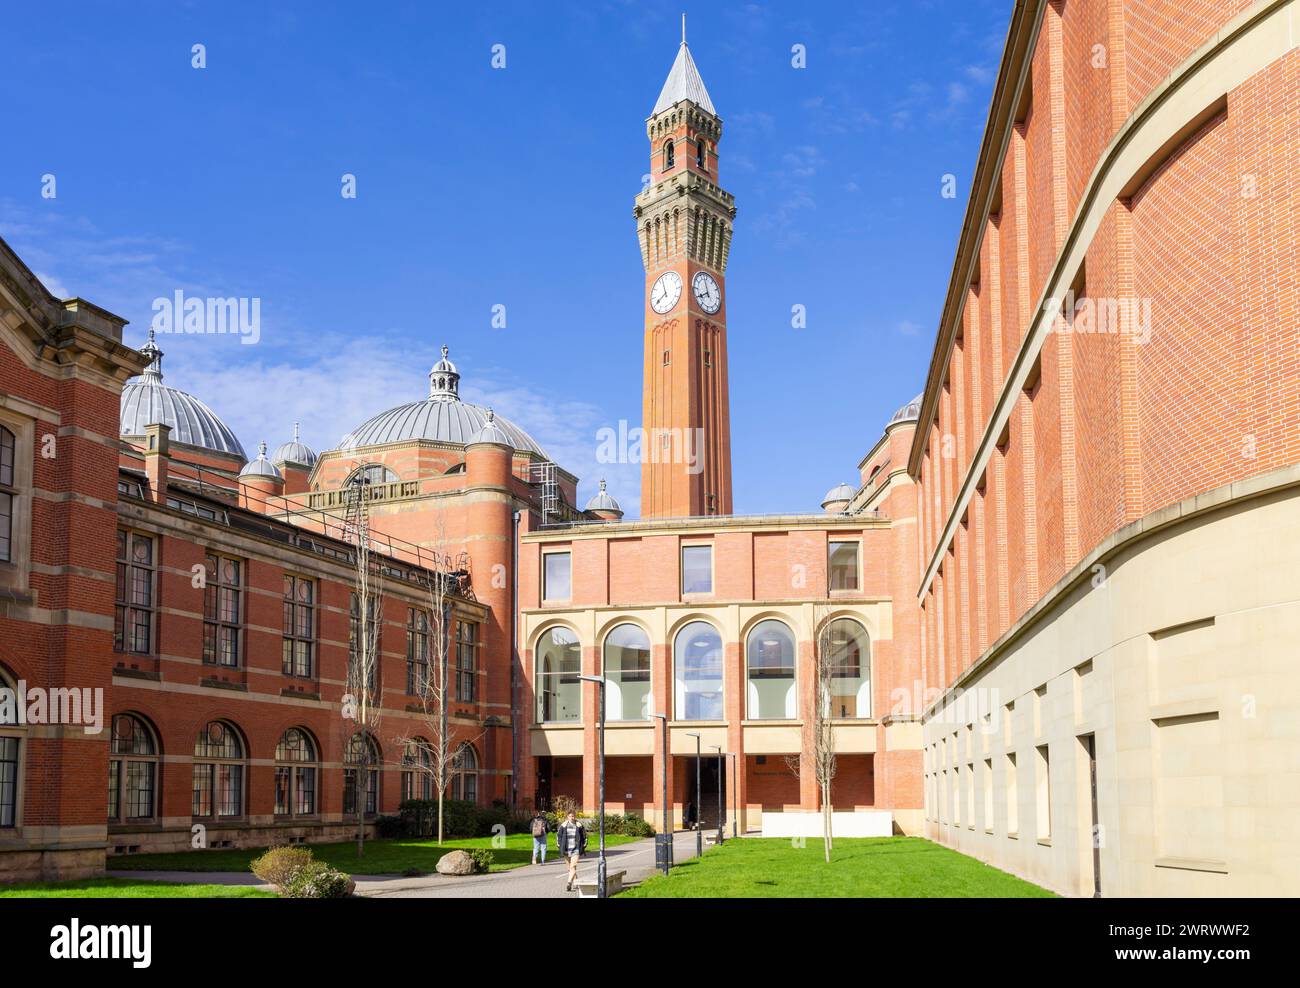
pixel 683 82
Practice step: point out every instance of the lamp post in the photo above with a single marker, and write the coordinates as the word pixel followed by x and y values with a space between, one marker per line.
pixel 721 822
pixel 735 789
pixel 699 834
pixel 600 863
pixel 667 834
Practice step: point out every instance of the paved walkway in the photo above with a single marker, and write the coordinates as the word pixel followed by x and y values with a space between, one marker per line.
pixel 529 882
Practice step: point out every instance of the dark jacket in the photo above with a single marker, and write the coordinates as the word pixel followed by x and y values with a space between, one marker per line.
pixel 571 842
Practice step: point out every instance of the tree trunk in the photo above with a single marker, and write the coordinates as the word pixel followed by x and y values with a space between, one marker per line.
pixel 826 820
pixel 439 817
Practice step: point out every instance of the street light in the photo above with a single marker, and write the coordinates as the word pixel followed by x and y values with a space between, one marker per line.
pixel 735 789
pixel 699 834
pixel 721 823
pixel 666 835
pixel 600 863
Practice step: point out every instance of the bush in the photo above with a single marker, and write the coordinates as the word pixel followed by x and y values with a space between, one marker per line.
pixel 483 859
pixel 419 818
pixel 319 881
pixel 389 826
pixel 280 865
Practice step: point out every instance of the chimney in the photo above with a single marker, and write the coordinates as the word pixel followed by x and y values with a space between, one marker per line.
pixel 157 457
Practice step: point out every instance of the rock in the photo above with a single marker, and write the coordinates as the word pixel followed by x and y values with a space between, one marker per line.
pixel 456 863
pixel 352 887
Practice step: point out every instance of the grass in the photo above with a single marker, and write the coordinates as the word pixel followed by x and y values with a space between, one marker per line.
pixel 382 857
pixel 883 867
pixel 126 888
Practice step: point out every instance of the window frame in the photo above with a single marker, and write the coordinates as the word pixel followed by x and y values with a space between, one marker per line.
pixel 214 764
pixel 546 556
pixel 419 628
pixel 124 608
pixel 620 681
pixel 460 775
pixel 371 768
pixel 119 774
pixel 793 677
pixel 213 618
pixel 291 635
pixel 294 770
pixel 681 557
pixel 856 543
pixel 542 679
pixel 16 566
pixel 15 736
pixel 469 640
pixel 680 691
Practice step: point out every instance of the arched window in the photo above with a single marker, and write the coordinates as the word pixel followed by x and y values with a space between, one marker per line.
pixel 8 494
pixel 218 788
pixel 132 770
pixel 363 772
pixel 627 671
pixel 670 155
pixel 850 651
pixel 295 774
pixel 417 770
pixel 770 659
pixel 11 750
pixel 697 672
pixel 701 155
pixel 372 473
pixel 464 774
pixel 559 663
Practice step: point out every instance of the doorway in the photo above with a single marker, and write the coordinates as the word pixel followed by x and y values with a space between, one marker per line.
pixel 713 771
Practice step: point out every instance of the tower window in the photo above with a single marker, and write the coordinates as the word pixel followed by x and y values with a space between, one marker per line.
pixel 668 357
pixel 669 156
pixel 708 358
pixel 701 155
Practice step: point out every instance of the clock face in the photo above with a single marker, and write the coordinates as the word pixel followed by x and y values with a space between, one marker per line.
pixel 665 292
pixel 707 293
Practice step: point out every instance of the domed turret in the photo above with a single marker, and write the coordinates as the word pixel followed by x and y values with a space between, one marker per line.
pixel 294 451
pixel 909 412
pixel 837 499
pixel 260 467
pixel 491 432
pixel 603 505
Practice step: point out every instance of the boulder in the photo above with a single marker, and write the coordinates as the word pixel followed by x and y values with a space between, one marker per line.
pixel 456 863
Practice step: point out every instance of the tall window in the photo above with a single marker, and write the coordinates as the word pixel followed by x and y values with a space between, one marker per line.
pixel 295 774
pixel 362 771
pixel 697 672
pixel 299 626
pixel 851 665
pixel 559 663
pixel 355 640
pixel 417 770
pixel 11 739
pixel 467 642
pixel 770 656
pixel 464 774
pixel 556 576
pixel 670 155
pixel 8 494
pixel 221 611
pixel 218 772
pixel 697 569
pixel 701 155
pixel 417 651
pixel 132 770
pixel 133 620
pixel 372 473
pixel 843 564
pixel 627 672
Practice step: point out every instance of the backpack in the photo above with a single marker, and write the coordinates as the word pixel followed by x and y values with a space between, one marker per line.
pixel 539 827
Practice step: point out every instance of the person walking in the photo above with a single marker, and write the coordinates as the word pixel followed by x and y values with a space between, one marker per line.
pixel 571 840
pixel 539 828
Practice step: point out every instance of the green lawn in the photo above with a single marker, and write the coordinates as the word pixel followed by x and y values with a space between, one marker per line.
pixel 382 857
pixel 883 867
pixel 125 888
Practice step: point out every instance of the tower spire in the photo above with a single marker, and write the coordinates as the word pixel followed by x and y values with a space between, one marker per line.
pixel 683 27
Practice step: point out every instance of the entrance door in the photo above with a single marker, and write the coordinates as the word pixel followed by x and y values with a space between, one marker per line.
pixel 712 771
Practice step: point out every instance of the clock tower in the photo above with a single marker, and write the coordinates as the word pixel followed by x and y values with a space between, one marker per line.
pixel 684 221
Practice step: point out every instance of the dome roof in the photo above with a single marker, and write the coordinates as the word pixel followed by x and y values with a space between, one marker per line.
pixel 602 500
pixel 912 410
pixel 840 492
pixel 492 433
pixel 261 467
pixel 442 417
pixel 146 400
pixel 294 451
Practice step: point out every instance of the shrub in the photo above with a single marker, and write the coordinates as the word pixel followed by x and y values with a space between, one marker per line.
pixel 483 859
pixel 280 865
pixel 419 818
pixel 319 881
pixel 389 826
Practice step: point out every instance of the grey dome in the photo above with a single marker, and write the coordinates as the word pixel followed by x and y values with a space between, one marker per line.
pixel 442 417
pixel 261 467
pixel 294 451
pixel 602 500
pixel 492 433
pixel 910 411
pixel 840 492
pixel 146 400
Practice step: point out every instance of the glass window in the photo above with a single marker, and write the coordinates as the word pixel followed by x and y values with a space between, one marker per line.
pixel 11 738
pixel 133 617
pixel 132 770
pixel 299 626
pixel 372 473
pixel 556 583
pixel 467 642
pixel 218 778
pixel 843 565
pixel 627 674
pixel 417 770
pixel 697 664
pixel 464 774
pixel 697 569
pixel 770 656
pixel 850 651
pixel 7 495
pixel 670 155
pixel 295 774
pixel 559 663
pixel 221 611
pixel 417 652
pixel 363 769
pixel 356 641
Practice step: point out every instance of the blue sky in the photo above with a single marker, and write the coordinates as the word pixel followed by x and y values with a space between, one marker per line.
pixel 479 187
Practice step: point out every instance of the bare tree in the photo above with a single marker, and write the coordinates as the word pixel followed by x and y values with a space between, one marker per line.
pixel 822 722
pixel 363 691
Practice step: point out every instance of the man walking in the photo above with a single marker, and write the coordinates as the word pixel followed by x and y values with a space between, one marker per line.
pixel 539 829
pixel 571 839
